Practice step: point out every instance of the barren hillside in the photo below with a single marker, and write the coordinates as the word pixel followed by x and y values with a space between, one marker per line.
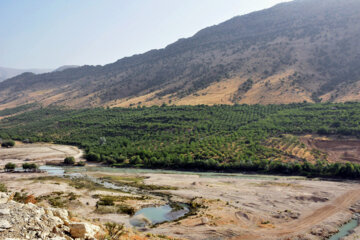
pixel 305 50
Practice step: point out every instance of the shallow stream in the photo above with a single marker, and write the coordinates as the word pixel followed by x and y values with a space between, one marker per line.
pixel 60 171
pixel 345 230
pixel 157 214
pixel 143 217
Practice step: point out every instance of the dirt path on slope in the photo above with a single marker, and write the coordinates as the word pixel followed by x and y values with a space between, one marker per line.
pixel 340 204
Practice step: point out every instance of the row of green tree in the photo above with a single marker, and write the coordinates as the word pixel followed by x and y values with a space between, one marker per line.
pixel 200 137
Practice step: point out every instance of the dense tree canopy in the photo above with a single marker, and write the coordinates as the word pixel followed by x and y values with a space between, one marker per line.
pixel 226 138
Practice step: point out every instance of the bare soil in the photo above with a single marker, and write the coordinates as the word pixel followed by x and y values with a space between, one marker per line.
pixel 338 150
pixel 229 207
pixel 233 208
pixel 39 153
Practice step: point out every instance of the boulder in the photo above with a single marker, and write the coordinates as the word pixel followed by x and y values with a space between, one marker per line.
pixel 61 213
pixel 83 230
pixel 140 221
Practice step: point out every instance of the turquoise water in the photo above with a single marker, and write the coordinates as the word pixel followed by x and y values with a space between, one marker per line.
pixel 53 170
pixel 345 230
pixel 201 174
pixel 158 214
pixel 148 215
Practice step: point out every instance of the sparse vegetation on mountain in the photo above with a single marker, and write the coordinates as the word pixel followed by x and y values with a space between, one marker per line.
pixel 294 52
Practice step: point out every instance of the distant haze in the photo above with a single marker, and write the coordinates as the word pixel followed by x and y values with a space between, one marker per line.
pixel 49 34
pixel 6 73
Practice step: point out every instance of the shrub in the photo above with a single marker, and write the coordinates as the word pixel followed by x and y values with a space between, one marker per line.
pixel 8 143
pixel 10 167
pixel 26 166
pixel 33 167
pixel 29 166
pixel 81 164
pixel 30 199
pixel 114 230
pixel 93 157
pixel 105 202
pixel 122 208
pixel 3 188
pixel 20 197
pixel 69 161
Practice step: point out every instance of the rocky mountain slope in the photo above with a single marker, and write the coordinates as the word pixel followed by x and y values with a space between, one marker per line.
pixel 305 50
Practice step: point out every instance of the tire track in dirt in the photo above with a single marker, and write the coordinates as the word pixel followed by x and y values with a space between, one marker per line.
pixel 78 155
pixel 341 203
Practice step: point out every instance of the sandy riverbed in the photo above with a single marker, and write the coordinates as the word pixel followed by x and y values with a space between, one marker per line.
pixel 232 208
pixel 229 207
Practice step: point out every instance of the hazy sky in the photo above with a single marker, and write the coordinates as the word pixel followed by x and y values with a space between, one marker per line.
pixel 51 33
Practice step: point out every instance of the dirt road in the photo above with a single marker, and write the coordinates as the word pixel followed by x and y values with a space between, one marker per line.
pixel 340 204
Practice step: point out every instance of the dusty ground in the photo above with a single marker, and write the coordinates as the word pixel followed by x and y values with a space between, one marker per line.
pixel 39 153
pixel 232 208
pixel 236 208
pixel 262 209
pixel 228 207
pixel 338 150
pixel 83 206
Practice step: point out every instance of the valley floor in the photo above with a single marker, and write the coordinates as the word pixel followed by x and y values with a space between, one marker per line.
pixel 228 206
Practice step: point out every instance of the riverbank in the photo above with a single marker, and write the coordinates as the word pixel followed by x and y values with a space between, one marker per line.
pixel 228 206
pixel 222 205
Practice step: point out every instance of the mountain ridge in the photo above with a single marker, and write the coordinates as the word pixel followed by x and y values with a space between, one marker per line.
pixel 293 52
pixel 6 73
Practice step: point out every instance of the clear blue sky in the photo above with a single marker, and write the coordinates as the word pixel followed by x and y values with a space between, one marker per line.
pixel 51 33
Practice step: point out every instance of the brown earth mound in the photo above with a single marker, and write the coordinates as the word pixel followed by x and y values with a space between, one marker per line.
pixel 338 150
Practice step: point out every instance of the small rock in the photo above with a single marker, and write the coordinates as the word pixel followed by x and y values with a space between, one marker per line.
pixel 4 211
pixel 5 224
pixel 61 213
pixel 140 221
pixel 57 238
pixel 3 195
pixel 56 221
pixel 204 220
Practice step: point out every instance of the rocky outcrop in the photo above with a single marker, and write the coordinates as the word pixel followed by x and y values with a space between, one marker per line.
pixel 29 221
pixel 83 230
